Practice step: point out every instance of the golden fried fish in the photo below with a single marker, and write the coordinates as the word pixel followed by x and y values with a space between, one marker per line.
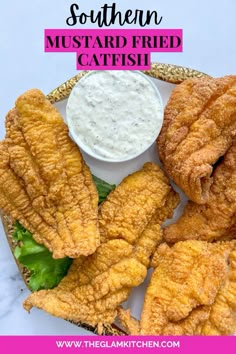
pixel 215 220
pixel 128 209
pixel 51 193
pixel 199 127
pixel 192 291
pixel 129 221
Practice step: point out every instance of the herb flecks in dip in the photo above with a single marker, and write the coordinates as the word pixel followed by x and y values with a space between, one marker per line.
pixel 114 115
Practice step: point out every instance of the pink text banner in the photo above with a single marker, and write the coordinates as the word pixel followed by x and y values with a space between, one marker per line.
pixel 114 48
pixel 123 344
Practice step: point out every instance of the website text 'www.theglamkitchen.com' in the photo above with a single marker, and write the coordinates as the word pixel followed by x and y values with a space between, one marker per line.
pixel 117 344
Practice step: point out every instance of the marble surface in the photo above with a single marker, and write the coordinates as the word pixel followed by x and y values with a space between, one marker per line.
pixel 208 46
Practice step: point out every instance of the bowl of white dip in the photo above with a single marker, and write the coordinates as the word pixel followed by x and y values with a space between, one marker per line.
pixel 114 116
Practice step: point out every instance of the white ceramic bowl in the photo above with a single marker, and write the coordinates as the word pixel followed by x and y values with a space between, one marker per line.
pixel 114 116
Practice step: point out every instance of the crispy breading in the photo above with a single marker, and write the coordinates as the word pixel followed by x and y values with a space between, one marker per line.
pixel 152 235
pixel 192 291
pixel 216 219
pixel 94 298
pixel 49 171
pixel 96 285
pixel 199 127
pixel 128 209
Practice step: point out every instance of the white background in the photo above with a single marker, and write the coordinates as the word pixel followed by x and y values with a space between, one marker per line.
pixel 209 29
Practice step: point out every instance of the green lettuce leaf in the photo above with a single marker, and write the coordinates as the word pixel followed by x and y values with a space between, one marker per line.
pixel 103 188
pixel 45 271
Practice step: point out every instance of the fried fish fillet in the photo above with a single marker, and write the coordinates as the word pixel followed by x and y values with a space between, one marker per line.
pixel 129 221
pixel 192 291
pixel 51 193
pixel 199 127
pixel 128 209
pixel 216 219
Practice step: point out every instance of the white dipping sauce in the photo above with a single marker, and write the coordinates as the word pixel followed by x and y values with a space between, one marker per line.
pixel 114 115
